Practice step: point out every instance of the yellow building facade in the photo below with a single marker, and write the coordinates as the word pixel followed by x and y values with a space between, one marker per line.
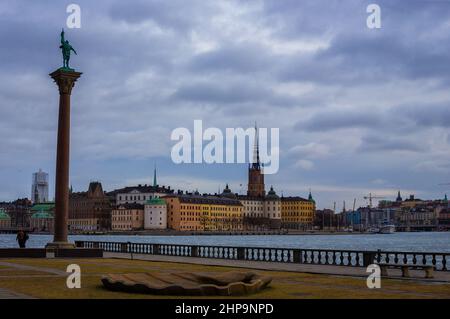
pixel 195 212
pixel 297 212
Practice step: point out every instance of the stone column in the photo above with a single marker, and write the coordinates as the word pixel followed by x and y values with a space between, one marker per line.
pixel 65 79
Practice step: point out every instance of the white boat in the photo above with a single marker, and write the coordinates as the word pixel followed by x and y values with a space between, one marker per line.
pixel 387 229
pixel 373 230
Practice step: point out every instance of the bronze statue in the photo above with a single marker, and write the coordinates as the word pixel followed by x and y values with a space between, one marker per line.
pixel 65 49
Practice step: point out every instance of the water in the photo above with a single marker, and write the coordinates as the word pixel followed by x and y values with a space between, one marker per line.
pixel 420 242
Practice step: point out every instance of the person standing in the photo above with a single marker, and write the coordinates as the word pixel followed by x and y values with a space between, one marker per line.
pixel 22 238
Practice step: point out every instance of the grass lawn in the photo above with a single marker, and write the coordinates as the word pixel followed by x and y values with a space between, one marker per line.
pixel 40 284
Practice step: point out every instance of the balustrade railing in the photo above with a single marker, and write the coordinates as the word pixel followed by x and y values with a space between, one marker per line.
pixel 351 258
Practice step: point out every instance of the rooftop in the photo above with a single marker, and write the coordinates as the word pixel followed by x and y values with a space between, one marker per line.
pixel 143 189
pixel 130 206
pixel 156 201
pixel 42 215
pixel 294 198
pixel 43 207
pixel 205 199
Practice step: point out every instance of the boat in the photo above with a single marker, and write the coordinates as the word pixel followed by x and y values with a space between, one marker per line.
pixel 387 229
pixel 373 230
pixel 348 229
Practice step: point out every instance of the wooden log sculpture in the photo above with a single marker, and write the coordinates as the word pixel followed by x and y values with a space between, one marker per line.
pixel 191 284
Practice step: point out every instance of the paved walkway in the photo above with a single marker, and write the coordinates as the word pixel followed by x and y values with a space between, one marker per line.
pixel 332 282
pixel 8 294
pixel 33 268
pixel 439 276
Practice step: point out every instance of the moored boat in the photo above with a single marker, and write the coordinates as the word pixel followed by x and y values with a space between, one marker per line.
pixel 387 229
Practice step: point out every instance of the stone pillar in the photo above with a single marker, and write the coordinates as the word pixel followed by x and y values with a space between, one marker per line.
pixel 65 79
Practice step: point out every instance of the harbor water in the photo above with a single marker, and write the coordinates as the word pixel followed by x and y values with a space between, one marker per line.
pixel 416 241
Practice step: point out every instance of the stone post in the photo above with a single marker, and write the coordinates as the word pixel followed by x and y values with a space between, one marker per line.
pixel 194 251
pixel 65 79
pixel 241 253
pixel 297 256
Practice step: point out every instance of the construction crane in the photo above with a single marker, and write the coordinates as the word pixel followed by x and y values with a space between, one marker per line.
pixel 370 197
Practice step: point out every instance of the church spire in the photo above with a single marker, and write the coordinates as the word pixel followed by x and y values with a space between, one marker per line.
pixel 399 197
pixel 154 177
pixel 256 162
pixel 255 175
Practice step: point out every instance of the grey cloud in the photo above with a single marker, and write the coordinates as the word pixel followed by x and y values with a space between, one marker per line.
pixel 232 92
pixel 242 58
pixel 166 14
pixel 328 121
pixel 140 83
pixel 213 93
pixel 380 143
pixel 426 115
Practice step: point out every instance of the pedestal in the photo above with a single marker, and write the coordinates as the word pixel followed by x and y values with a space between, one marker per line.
pixel 65 79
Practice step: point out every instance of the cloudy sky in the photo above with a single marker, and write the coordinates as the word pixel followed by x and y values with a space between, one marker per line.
pixel 359 110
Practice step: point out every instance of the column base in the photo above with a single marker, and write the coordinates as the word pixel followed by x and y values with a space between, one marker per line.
pixel 60 245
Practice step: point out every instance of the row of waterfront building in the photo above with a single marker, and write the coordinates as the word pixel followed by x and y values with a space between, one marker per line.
pixel 154 207
pixel 410 214
pixel 158 207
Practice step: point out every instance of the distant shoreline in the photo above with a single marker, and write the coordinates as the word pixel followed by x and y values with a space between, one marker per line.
pixel 243 233
pixel 181 233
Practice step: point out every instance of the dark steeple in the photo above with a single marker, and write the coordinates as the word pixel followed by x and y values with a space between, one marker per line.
pixel 154 177
pixel 256 162
pixel 399 198
pixel 255 175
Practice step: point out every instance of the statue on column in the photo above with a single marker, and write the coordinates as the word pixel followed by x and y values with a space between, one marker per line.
pixel 65 49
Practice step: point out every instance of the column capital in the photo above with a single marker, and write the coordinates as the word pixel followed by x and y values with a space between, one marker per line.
pixel 65 80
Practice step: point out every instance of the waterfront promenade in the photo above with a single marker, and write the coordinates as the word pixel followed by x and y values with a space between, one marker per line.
pixel 416 275
pixel 46 278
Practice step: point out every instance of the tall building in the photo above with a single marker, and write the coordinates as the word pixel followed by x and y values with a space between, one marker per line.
pixel 261 210
pixel 39 187
pixel 255 175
